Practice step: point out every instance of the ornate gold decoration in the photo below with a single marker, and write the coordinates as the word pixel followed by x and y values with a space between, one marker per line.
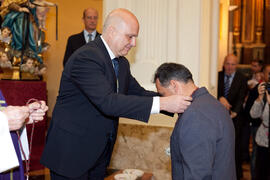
pixel 259 20
pixel 8 73
pixel 248 21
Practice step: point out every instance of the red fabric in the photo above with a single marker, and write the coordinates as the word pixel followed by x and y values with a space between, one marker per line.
pixel 18 93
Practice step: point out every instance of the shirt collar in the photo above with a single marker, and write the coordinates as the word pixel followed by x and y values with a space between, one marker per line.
pixel 231 76
pixel 85 33
pixel 198 92
pixel 112 56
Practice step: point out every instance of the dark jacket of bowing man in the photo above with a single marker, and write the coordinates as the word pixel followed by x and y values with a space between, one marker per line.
pixel 202 142
pixel 85 117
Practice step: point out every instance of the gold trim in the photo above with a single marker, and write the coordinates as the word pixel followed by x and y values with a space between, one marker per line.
pixel 244 40
pixel 267 3
pixel 13 73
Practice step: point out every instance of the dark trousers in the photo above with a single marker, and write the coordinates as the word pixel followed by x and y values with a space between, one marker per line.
pixel 247 132
pixel 253 131
pixel 262 168
pixel 238 158
pixel 98 172
pixel 245 139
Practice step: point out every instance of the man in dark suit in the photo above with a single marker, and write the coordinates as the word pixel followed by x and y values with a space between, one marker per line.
pixel 96 89
pixel 90 19
pixel 232 89
pixel 202 142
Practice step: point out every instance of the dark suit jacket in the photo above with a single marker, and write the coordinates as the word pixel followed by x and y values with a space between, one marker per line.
pixel 86 112
pixel 237 92
pixel 202 142
pixel 252 96
pixel 74 42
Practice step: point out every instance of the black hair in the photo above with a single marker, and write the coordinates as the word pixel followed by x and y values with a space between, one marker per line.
pixel 172 71
pixel 260 62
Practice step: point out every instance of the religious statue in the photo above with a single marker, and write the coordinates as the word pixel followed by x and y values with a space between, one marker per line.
pixel 5 39
pixel 24 22
pixel 5 60
pixel 20 16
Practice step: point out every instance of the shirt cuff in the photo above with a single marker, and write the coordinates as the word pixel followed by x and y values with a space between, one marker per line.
pixel 156 105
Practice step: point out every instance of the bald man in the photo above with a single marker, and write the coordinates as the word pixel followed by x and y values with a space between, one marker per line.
pixel 90 20
pixel 96 89
pixel 232 89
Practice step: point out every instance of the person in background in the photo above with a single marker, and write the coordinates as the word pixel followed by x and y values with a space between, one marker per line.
pixel 256 69
pixel 260 109
pixel 96 89
pixel 90 19
pixel 202 142
pixel 232 89
pixel 251 125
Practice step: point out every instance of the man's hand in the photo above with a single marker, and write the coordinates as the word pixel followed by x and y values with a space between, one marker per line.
pixel 175 103
pixel 37 111
pixel 261 91
pixel 233 114
pixel 16 116
pixel 224 101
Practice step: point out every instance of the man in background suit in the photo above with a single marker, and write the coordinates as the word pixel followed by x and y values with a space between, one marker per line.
pixel 96 89
pixel 232 89
pixel 90 19
pixel 202 142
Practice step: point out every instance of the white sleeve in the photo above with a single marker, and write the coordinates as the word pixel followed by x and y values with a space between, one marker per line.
pixel 24 141
pixel 156 105
pixel 8 156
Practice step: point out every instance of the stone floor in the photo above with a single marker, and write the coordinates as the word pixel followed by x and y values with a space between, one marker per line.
pixel 45 175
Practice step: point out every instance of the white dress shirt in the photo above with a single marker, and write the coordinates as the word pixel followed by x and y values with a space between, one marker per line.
pixel 86 37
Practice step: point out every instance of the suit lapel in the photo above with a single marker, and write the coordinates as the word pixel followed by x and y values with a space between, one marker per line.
pixel 234 84
pixel 108 61
pixel 97 35
pixel 82 39
pixel 221 84
pixel 121 73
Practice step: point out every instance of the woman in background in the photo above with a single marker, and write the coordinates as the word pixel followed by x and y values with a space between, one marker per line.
pixel 260 109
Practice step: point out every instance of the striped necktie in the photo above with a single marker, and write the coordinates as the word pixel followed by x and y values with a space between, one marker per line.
pixel 116 66
pixel 227 85
pixel 89 37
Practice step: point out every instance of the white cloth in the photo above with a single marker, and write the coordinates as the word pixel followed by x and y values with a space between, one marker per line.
pixel 24 141
pixel 8 156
